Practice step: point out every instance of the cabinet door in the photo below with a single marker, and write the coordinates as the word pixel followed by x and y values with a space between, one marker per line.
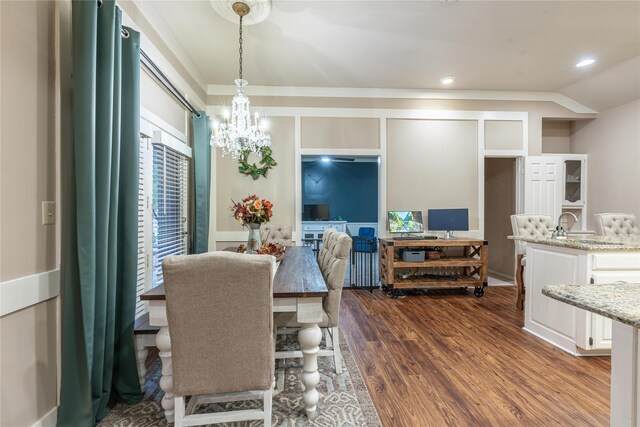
pixel 543 179
pixel 601 326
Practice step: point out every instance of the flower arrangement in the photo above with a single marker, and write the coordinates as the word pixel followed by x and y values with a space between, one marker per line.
pixel 275 249
pixel 252 210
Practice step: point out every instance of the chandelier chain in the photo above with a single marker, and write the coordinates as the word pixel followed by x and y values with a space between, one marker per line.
pixel 240 50
pixel 238 134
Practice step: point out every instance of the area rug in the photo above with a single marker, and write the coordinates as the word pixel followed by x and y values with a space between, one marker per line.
pixel 344 400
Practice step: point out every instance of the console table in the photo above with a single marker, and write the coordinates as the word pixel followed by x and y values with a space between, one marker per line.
pixel 468 267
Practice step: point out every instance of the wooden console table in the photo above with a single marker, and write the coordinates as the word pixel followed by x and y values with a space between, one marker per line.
pixel 468 268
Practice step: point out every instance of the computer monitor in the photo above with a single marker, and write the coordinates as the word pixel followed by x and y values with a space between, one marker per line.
pixel 404 222
pixel 315 213
pixel 448 220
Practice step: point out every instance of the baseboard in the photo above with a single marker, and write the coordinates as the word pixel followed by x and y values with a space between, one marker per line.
pixel 27 291
pixel 49 420
pixel 501 276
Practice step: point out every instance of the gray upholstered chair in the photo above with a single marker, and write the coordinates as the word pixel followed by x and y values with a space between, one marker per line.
pixel 616 224
pixel 333 258
pixel 527 225
pixel 281 234
pixel 220 314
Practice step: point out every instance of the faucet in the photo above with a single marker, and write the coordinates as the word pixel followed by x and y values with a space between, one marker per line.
pixel 559 232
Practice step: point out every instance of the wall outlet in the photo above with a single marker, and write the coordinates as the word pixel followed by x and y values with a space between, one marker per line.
pixel 48 213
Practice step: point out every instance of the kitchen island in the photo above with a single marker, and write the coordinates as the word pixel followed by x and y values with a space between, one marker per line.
pixel 621 304
pixel 593 260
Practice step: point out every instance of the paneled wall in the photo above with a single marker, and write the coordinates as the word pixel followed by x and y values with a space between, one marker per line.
pixel 340 132
pixel 430 157
pixel 433 164
pixel 556 136
pixel 279 187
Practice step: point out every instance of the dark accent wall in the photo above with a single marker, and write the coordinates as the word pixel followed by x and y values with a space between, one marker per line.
pixel 349 188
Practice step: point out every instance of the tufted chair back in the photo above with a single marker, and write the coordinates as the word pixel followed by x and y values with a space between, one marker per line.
pixel 281 234
pixel 332 259
pixel 616 224
pixel 530 225
pixel 209 334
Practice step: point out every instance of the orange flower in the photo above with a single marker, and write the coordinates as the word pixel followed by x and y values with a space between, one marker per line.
pixel 257 204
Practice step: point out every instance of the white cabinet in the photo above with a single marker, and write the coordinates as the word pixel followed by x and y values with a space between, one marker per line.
pixel 574 192
pixel 628 270
pixel 554 184
pixel 572 329
pixel 313 230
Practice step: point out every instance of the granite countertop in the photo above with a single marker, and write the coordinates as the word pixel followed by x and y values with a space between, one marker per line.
pixel 587 243
pixel 618 301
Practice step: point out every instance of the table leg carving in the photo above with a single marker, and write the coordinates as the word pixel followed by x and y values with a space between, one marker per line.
pixel 141 359
pixel 309 337
pixel 166 381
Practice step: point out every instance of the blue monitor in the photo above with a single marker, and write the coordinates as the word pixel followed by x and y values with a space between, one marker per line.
pixel 405 222
pixel 448 220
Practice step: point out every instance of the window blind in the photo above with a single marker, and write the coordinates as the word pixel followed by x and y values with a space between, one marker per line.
pixel 170 206
pixel 141 284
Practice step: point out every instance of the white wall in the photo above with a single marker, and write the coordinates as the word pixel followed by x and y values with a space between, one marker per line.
pixel 29 251
pixel 612 142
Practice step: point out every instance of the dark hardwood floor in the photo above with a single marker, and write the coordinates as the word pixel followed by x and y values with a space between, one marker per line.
pixel 459 360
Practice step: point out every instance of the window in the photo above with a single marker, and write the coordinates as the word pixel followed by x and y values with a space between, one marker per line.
pixel 162 207
pixel 170 206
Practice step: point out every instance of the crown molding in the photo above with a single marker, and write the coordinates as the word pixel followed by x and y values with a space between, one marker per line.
pixel 339 92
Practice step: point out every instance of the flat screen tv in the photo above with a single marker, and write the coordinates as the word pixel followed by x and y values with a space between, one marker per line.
pixel 448 220
pixel 404 222
pixel 315 213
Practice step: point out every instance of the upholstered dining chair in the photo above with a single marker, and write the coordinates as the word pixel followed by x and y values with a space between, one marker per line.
pixel 333 258
pixel 527 225
pixel 281 234
pixel 616 224
pixel 220 314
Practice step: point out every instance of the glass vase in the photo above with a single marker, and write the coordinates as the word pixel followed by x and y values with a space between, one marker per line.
pixel 254 242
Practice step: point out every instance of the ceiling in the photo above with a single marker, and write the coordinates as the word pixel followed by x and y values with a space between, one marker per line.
pixel 501 45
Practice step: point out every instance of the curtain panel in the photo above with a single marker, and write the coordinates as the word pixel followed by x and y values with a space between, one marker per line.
pixel 202 180
pixel 99 230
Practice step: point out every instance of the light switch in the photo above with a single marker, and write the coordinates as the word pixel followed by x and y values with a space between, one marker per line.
pixel 48 213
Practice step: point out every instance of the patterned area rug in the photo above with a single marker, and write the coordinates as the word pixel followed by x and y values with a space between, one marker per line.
pixel 344 400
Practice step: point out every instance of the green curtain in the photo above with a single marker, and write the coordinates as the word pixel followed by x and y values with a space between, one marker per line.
pixel 202 180
pixel 100 190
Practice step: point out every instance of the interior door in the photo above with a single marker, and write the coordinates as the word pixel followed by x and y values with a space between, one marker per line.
pixel 543 181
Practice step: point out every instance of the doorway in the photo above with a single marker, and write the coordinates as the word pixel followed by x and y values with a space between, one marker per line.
pixel 342 192
pixel 499 205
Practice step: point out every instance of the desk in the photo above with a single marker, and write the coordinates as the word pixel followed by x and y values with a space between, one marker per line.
pixel 467 269
pixel 298 286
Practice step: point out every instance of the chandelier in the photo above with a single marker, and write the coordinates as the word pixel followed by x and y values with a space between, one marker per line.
pixel 238 133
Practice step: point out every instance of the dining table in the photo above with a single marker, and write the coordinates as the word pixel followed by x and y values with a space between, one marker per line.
pixel 298 286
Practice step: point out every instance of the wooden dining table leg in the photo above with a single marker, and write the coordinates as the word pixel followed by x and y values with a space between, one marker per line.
pixel 158 317
pixel 309 314
pixel 163 342
pixel 309 337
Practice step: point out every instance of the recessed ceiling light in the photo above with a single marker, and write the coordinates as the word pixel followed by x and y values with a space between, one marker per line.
pixel 585 62
pixel 325 159
pixel 447 80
